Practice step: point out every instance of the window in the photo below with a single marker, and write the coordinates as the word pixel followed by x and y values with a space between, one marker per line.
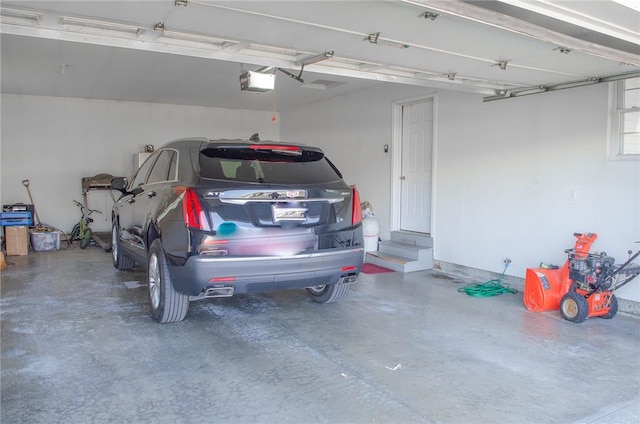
pixel 143 172
pixel 626 119
pixel 164 168
pixel 269 166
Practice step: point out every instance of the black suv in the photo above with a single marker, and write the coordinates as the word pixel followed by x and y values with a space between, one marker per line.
pixel 214 218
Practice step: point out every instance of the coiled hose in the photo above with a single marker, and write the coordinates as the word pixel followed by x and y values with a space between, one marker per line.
pixel 490 288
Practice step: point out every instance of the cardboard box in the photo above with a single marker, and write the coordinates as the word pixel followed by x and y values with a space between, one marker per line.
pixel 17 240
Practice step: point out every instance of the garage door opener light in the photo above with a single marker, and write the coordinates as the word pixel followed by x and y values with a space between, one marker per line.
pixel 257 81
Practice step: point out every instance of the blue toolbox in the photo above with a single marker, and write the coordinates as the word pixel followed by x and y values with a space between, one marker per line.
pixel 9 219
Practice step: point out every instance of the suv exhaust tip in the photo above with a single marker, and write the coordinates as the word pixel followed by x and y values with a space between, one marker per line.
pixel 212 292
pixel 347 279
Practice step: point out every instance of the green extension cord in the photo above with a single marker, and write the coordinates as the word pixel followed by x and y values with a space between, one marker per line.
pixel 490 288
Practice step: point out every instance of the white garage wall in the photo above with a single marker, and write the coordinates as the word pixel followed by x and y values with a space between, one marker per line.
pixel 54 142
pixel 352 130
pixel 505 171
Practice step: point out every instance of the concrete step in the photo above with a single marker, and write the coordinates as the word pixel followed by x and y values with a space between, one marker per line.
pixel 416 239
pixel 410 251
pixel 398 263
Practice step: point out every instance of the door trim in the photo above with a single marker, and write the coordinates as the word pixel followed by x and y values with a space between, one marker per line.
pixel 396 158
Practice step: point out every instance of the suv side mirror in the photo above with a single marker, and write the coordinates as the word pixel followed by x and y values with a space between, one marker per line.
pixel 120 184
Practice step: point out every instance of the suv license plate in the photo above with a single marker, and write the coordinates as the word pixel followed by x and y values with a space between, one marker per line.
pixel 288 214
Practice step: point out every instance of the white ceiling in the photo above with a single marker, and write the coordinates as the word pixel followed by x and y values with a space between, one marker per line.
pixel 110 49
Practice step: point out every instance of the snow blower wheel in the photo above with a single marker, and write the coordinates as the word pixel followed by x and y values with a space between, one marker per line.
pixel 574 307
pixel 613 308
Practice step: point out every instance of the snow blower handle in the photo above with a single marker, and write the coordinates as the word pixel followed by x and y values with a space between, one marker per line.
pixel 627 271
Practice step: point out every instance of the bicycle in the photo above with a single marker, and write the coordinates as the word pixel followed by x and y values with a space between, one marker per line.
pixel 81 231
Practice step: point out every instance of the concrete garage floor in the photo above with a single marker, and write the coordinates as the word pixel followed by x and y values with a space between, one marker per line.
pixel 78 346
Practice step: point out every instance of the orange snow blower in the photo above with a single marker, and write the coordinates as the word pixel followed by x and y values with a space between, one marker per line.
pixel 583 287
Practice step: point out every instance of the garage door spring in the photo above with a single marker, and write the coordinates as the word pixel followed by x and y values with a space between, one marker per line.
pixel 490 288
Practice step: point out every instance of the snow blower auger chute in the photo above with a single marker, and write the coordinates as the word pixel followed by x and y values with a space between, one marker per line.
pixel 583 287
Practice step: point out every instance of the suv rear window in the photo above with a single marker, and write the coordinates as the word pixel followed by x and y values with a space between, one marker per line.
pixel 269 165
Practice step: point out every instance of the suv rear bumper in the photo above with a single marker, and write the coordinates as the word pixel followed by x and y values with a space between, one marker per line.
pixel 260 274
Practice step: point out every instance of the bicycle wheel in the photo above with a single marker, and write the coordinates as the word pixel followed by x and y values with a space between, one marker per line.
pixel 86 237
pixel 74 233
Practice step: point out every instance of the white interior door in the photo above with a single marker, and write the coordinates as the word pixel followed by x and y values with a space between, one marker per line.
pixel 416 167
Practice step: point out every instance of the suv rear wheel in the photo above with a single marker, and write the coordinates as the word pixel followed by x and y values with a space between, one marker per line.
pixel 329 293
pixel 167 305
pixel 120 261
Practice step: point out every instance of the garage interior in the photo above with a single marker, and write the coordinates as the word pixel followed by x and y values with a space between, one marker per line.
pixel 489 127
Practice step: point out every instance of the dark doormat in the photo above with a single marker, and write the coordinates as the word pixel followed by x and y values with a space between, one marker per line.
pixel 368 268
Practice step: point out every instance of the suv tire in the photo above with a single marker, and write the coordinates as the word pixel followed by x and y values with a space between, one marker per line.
pixel 329 293
pixel 167 305
pixel 120 261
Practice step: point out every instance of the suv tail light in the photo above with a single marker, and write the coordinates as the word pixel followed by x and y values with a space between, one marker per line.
pixel 192 212
pixel 356 214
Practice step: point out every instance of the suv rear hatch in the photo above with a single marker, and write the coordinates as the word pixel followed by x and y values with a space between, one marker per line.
pixel 273 200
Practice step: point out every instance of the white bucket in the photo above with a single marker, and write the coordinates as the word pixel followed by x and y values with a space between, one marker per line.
pixel 370 231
